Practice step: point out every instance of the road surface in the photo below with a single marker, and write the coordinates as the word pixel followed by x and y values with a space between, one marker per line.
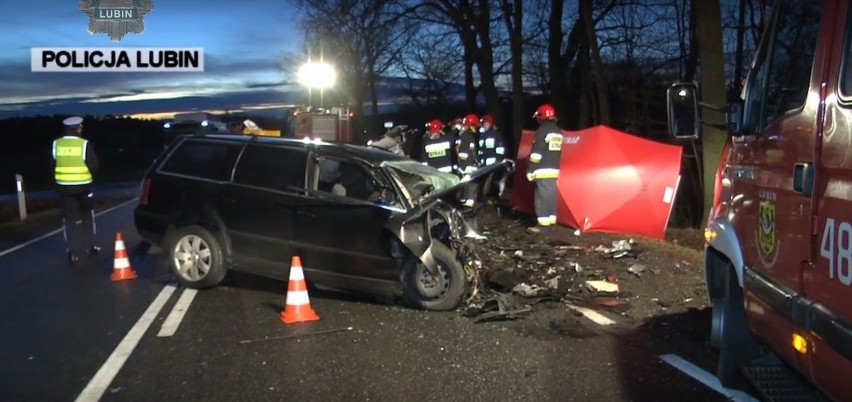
pixel 72 334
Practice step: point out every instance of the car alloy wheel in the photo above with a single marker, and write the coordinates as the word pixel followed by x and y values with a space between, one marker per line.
pixel 192 258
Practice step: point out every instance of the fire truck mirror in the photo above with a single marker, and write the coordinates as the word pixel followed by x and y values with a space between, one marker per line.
pixel 683 111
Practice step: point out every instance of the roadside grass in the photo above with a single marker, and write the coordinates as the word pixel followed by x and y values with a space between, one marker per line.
pixel 38 210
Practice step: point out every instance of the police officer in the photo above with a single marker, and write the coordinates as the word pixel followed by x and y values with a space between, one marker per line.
pixel 74 164
pixel 467 151
pixel 543 169
pixel 437 150
pixel 491 151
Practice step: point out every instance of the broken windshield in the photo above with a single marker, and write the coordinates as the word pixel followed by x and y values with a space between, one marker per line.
pixel 420 181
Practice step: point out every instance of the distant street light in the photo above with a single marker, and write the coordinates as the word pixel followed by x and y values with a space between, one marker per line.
pixel 317 75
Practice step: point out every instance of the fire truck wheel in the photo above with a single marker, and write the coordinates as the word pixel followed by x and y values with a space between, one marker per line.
pixel 737 346
pixel 442 293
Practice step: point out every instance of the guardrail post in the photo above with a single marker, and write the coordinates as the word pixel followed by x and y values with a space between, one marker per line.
pixel 22 199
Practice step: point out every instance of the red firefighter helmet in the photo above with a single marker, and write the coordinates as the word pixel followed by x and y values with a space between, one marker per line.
pixel 471 120
pixel 545 111
pixel 487 118
pixel 435 126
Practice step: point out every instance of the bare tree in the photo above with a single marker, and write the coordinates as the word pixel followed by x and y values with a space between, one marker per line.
pixel 362 37
pixel 513 14
pixel 430 65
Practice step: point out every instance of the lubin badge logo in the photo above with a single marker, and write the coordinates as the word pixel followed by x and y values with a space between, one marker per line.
pixel 116 18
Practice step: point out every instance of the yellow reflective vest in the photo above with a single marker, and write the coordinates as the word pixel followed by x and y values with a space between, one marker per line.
pixel 70 156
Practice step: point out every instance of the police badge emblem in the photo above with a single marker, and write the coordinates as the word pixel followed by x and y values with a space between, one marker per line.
pixel 116 18
pixel 766 227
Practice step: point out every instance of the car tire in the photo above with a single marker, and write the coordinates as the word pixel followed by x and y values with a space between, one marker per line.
pixel 737 347
pixel 421 290
pixel 195 257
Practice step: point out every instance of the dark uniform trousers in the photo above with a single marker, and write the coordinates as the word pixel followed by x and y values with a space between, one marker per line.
pixel 78 217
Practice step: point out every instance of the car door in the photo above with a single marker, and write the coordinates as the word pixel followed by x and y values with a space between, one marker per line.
pixel 261 203
pixel 341 227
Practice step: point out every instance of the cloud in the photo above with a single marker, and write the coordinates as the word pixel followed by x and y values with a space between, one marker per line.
pixel 224 101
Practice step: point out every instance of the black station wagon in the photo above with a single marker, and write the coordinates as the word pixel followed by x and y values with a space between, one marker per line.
pixel 361 219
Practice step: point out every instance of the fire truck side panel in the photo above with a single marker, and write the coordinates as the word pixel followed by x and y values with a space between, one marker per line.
pixel 828 282
pixel 772 219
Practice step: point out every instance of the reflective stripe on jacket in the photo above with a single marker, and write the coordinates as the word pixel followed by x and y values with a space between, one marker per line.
pixel 70 156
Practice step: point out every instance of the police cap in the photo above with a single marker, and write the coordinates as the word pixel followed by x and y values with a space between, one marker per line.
pixel 73 121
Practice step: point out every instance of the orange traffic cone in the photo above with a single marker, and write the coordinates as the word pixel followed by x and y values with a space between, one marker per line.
pixel 121 265
pixel 298 305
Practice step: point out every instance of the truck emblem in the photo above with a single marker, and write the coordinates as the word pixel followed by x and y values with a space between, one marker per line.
pixel 766 230
pixel 116 18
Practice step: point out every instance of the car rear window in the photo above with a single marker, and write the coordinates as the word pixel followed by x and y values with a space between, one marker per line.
pixel 273 168
pixel 203 159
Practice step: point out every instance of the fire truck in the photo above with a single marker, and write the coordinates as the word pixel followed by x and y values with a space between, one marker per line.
pixel 333 124
pixel 778 256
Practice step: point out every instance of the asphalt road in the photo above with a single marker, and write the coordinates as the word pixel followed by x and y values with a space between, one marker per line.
pixel 72 334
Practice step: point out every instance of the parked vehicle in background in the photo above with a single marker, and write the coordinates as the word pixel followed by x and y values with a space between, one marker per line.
pixel 779 242
pixel 360 219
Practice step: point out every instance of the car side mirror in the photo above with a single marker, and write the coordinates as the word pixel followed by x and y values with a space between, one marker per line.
pixel 682 102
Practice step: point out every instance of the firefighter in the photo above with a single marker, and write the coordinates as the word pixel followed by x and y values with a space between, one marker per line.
pixel 491 151
pixel 543 169
pixel 467 162
pixel 456 126
pixel 437 149
pixel 74 164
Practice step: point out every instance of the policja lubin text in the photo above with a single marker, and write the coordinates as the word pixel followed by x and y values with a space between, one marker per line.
pixel 117 59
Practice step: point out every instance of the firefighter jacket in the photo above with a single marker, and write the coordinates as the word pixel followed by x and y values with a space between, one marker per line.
pixel 437 151
pixel 491 149
pixel 546 152
pixel 72 158
pixel 466 144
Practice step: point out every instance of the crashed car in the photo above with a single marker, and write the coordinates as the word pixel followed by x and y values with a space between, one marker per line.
pixel 360 219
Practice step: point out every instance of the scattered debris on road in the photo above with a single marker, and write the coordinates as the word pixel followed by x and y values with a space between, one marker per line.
pixel 520 270
pixel 294 336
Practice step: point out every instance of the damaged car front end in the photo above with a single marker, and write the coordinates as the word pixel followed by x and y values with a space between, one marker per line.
pixel 446 268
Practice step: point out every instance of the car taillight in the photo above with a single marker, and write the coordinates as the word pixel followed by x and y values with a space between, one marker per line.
pixel 143 191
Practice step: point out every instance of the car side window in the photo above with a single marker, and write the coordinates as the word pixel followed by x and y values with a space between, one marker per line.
pixel 272 168
pixel 345 178
pixel 210 160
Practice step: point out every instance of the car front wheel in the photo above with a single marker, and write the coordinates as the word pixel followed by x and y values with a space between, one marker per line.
pixel 195 257
pixel 443 292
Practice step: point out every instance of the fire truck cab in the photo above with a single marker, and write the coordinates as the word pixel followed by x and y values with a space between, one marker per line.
pixel 778 258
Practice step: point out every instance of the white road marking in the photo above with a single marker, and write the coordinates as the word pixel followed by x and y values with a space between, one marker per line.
pixel 706 378
pixel 44 236
pixel 172 322
pixel 593 315
pixel 102 379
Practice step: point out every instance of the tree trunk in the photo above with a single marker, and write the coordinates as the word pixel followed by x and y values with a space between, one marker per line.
pixel 708 29
pixel 469 88
pixel 557 66
pixel 600 89
pixel 514 14
pixel 485 58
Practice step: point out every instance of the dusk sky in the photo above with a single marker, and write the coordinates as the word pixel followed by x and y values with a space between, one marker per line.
pixel 244 45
